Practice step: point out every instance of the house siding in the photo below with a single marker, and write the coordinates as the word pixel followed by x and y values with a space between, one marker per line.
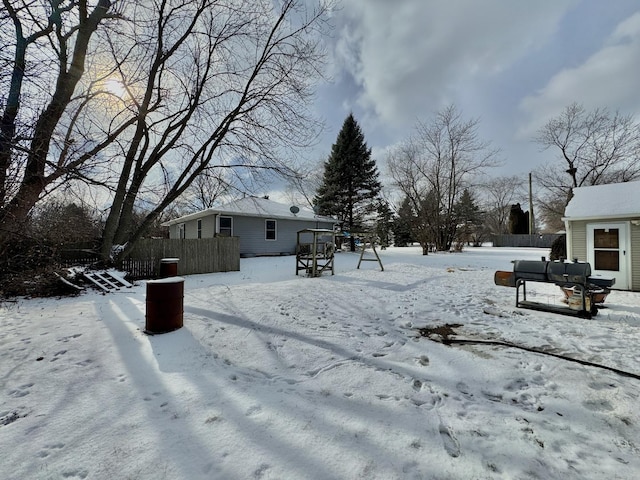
pixel 635 257
pixel 578 241
pixel 208 226
pixel 191 228
pixel 251 231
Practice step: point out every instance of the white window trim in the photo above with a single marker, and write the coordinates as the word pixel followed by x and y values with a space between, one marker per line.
pixel 275 230
pixel 182 231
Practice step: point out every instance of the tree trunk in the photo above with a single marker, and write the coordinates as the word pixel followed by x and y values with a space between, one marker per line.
pixel 14 215
pixel 8 122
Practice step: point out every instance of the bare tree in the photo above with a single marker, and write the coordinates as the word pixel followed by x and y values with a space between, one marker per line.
pixel 204 192
pixel 47 43
pixel 225 85
pixel 302 187
pixel 405 163
pixel 593 147
pixel 435 166
pixel 551 212
pixel 499 194
pixel 175 89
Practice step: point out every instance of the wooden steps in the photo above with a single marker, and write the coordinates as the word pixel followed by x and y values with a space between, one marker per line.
pixel 106 280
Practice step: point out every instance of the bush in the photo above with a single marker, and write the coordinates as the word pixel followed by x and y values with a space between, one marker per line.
pixel 559 248
pixel 29 269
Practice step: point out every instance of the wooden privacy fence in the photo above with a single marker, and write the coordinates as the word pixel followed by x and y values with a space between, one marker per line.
pixel 203 255
pixel 543 240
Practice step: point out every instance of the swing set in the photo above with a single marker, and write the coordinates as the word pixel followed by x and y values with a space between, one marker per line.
pixel 315 251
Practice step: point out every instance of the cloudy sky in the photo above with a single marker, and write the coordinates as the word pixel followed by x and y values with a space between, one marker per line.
pixel 513 64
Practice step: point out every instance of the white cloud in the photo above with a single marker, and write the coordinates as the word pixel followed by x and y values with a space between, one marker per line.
pixel 410 58
pixel 608 78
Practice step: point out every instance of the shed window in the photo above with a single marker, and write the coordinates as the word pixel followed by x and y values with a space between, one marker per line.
pixel 606 243
pixel 225 226
pixel 199 228
pixel 605 238
pixel 270 229
pixel 607 260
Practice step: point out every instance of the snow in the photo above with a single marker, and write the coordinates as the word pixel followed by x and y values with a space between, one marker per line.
pixel 610 200
pixel 167 280
pixel 278 376
pixel 256 207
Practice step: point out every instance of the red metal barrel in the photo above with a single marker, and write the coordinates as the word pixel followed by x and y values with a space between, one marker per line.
pixel 165 305
pixel 168 267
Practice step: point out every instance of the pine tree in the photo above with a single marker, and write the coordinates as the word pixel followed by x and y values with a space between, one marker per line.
pixel 466 210
pixel 468 218
pixel 384 223
pixel 402 226
pixel 350 183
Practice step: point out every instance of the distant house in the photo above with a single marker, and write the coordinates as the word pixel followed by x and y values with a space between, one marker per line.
pixel 603 228
pixel 264 227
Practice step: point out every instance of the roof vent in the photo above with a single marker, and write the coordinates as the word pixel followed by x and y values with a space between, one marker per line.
pixel 293 209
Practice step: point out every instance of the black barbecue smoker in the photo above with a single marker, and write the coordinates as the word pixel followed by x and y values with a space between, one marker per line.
pixel 583 292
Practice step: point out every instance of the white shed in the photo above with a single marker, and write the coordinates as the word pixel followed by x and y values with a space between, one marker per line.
pixel 603 228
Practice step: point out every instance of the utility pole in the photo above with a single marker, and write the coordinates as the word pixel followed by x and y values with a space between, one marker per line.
pixel 531 222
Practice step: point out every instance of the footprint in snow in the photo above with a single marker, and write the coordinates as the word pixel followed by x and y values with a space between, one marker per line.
pixel 464 389
pixel 75 474
pixel 598 405
pixel 70 337
pixel 423 360
pixel 254 410
pixel 49 448
pixel 602 385
pixel 490 310
pixel 450 443
pixel 261 471
pixel 21 391
pixel 56 356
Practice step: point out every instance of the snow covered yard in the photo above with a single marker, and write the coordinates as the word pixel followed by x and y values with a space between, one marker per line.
pixel 275 376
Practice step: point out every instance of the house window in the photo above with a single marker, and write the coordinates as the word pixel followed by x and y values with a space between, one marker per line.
pixel 199 228
pixel 270 230
pixel 181 231
pixel 225 226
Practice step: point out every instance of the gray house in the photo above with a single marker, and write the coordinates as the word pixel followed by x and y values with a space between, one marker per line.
pixel 264 227
pixel 603 228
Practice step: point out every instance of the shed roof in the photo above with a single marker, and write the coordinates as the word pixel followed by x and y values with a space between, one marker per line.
pixel 255 207
pixel 613 200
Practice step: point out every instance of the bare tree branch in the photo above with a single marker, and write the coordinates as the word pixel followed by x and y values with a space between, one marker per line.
pixel 433 168
pixel 593 147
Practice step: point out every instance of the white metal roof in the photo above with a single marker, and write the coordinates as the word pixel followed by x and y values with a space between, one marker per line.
pixel 613 200
pixel 254 207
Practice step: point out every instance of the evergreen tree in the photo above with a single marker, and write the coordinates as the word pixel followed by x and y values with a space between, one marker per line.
pixel 384 224
pixel 469 219
pixel 350 182
pixel 518 220
pixel 402 226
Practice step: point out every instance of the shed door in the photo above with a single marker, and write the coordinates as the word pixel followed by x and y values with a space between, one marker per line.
pixel 608 252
